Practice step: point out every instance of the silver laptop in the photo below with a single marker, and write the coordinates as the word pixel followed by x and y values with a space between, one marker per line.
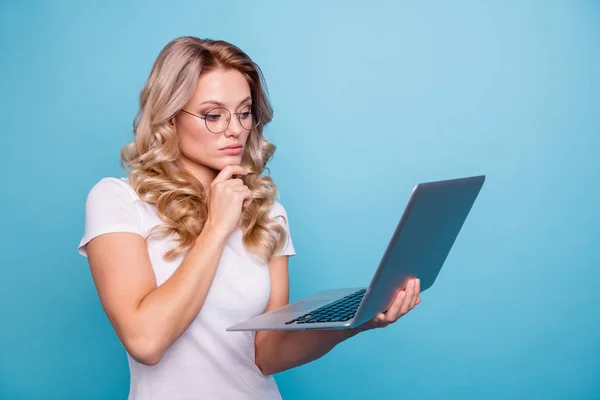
pixel 429 225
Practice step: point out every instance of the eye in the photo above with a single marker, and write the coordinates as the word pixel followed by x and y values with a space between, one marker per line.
pixel 245 114
pixel 212 117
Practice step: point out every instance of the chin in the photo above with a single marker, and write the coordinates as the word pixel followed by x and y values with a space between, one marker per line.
pixel 224 161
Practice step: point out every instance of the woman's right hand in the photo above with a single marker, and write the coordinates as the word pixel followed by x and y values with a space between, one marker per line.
pixel 227 197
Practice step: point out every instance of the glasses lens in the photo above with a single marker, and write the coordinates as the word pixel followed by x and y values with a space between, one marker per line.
pixel 248 118
pixel 217 119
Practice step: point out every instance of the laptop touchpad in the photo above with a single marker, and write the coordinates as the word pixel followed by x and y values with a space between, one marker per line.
pixel 303 306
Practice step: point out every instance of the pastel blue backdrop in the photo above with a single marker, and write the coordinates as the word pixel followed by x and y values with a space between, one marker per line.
pixel 370 99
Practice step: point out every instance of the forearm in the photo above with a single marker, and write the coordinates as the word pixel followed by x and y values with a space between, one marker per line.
pixel 165 313
pixel 277 351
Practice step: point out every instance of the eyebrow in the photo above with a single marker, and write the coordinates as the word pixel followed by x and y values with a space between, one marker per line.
pixel 221 104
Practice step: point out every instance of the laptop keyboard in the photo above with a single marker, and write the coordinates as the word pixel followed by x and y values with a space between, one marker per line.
pixel 338 311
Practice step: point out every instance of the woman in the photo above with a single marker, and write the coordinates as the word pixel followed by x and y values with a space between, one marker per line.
pixel 193 240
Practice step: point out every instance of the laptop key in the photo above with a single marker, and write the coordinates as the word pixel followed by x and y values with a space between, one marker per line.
pixel 344 308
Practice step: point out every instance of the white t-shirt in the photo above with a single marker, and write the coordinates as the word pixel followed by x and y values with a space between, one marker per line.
pixel 206 362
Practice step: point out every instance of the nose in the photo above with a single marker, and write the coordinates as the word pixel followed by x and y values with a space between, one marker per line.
pixel 235 128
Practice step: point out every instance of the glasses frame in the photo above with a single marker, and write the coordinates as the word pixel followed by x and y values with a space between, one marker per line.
pixel 237 114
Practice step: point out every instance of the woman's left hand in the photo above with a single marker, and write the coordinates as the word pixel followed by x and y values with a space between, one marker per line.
pixel 405 301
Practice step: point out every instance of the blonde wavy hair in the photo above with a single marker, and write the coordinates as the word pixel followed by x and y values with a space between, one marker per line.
pixel 153 158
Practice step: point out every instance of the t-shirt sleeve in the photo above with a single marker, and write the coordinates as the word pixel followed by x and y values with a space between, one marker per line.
pixel 109 207
pixel 277 212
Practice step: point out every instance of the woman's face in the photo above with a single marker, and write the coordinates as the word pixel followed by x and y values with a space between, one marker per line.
pixel 201 147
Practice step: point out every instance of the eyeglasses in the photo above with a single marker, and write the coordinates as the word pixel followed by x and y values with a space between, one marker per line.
pixel 217 120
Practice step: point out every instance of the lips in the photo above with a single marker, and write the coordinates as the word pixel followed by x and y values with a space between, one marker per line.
pixel 232 147
pixel 232 150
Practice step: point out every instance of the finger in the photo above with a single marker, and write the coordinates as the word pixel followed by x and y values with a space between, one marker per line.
pixel 227 172
pixel 247 196
pixel 232 182
pixel 393 313
pixel 410 291
pixel 415 297
pixel 418 301
pixel 381 319
pixel 241 190
pixel 244 194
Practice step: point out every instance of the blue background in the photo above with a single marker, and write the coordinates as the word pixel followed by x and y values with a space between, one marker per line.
pixel 370 99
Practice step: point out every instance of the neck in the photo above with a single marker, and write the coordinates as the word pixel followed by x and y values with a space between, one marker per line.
pixel 202 173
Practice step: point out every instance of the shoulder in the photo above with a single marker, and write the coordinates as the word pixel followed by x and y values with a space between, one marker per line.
pixel 279 214
pixel 111 206
pixel 111 194
pixel 277 210
pixel 112 186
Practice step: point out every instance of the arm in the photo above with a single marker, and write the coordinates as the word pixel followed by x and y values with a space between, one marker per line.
pixel 147 318
pixel 277 351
